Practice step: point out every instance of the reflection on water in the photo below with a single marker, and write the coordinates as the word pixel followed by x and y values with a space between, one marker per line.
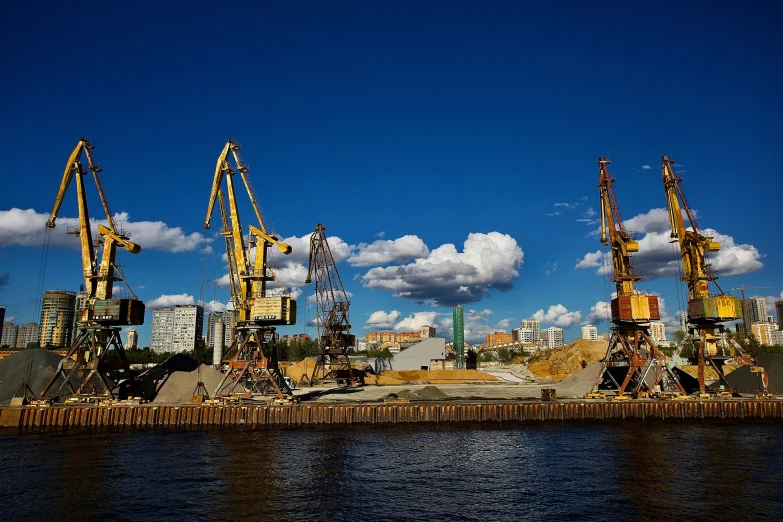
pixel 633 471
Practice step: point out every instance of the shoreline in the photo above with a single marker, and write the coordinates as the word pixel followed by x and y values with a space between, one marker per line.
pixel 35 418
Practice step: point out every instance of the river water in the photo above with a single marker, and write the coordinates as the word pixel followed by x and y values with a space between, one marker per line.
pixel 614 471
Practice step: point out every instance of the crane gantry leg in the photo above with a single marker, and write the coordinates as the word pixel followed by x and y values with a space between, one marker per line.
pixel 252 367
pixel 84 371
pixel 634 365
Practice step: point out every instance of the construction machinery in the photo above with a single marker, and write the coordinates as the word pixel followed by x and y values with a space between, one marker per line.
pixel 334 330
pixel 250 363
pixel 633 364
pixel 95 366
pixel 710 342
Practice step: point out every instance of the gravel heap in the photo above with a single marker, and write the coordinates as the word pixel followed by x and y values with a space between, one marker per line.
pixel 745 381
pixel 14 370
pixel 428 393
pixel 180 386
pixel 579 383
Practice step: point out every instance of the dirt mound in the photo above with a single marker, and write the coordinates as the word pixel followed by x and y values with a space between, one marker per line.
pixel 299 372
pixel 179 387
pixel 428 377
pixel 569 359
pixel 41 365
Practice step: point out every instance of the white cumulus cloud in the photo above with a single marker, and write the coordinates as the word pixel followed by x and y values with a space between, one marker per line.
pixel 171 300
pixel 27 228
pixel 448 277
pixel 600 312
pixel 658 257
pixel 382 252
pixel 382 320
pixel 558 315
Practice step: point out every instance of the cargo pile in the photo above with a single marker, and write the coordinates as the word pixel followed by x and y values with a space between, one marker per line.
pixel 559 363
pixel 35 366
pixel 392 377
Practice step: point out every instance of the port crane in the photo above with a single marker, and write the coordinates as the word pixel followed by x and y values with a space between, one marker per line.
pixel 705 311
pixel 632 364
pixel 334 329
pixel 250 363
pixel 88 370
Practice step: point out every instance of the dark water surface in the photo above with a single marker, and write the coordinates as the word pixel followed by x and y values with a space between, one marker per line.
pixel 630 471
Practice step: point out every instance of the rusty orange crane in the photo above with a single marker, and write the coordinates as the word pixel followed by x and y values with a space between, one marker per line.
pixel 632 363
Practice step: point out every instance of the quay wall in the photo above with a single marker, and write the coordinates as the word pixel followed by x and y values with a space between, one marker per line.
pixel 255 415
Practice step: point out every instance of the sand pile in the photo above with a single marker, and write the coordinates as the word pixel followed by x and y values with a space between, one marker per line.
pixel 179 387
pixel 299 372
pixel 710 375
pixel 392 377
pixel 41 364
pixel 559 363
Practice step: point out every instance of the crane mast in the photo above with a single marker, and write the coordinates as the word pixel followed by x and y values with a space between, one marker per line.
pixel 632 362
pixel 334 329
pixel 705 311
pixel 86 370
pixel 251 361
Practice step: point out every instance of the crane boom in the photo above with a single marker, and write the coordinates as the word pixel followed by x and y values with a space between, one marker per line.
pixel 629 305
pixel 249 292
pixel 694 247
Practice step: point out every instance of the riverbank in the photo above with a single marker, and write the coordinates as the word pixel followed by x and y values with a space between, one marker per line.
pixel 263 415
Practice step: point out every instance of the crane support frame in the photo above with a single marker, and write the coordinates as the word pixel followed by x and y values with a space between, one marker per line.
pixel 332 305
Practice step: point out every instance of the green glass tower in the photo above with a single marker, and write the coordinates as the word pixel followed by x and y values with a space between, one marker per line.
pixel 459 338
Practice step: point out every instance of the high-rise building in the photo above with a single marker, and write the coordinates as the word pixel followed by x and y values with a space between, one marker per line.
pixel 554 337
pixel 188 327
pixel 776 338
pixel 524 335
pixel 8 338
pixel 458 316
pixel 754 310
pixel 779 312
pixel 762 332
pixel 162 329
pixel 2 320
pixel 133 340
pixel 590 332
pixel 496 338
pixel 27 335
pixel 657 331
pixel 57 313
pixel 228 318
pixel 533 324
pixel 81 302
pixel 427 331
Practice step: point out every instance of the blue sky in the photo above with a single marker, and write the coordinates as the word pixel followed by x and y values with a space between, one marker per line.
pixel 384 120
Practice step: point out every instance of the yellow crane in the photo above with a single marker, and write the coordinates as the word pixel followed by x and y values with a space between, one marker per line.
pixel 86 370
pixel 632 362
pixel 251 360
pixel 705 312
